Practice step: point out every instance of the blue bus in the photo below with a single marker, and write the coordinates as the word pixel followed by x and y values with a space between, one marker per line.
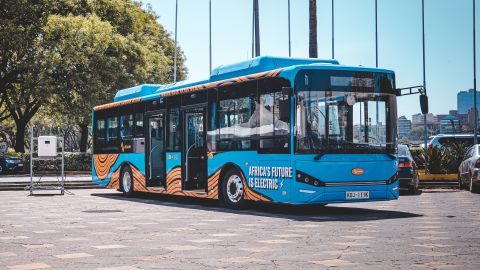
pixel 286 130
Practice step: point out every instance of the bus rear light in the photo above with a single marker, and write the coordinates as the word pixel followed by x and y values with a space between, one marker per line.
pixel 407 164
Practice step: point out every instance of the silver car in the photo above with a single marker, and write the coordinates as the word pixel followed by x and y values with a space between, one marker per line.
pixel 469 170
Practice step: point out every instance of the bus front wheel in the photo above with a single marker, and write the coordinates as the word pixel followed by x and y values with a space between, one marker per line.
pixel 233 190
pixel 127 181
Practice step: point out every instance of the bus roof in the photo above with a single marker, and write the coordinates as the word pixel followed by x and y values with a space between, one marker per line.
pixel 263 66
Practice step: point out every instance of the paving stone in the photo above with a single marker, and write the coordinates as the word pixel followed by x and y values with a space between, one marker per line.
pixel 73 255
pixel 30 266
pixel 170 233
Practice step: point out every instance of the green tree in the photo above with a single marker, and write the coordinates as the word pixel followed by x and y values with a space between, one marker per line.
pixel 116 45
pixel 74 55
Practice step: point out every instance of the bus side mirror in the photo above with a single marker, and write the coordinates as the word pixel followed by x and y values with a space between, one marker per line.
pixel 424 104
pixel 287 91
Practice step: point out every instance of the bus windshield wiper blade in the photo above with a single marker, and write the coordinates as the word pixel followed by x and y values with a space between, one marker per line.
pixel 319 156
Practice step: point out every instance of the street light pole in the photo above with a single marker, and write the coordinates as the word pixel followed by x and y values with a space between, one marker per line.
pixel 175 53
pixel 257 28
pixel 376 33
pixel 425 127
pixel 333 30
pixel 475 126
pixel 210 32
pixel 289 38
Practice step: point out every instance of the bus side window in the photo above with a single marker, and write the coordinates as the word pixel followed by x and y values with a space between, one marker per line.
pixel 274 127
pixel 112 129
pixel 139 129
pixel 126 130
pixel 100 131
pixel 238 118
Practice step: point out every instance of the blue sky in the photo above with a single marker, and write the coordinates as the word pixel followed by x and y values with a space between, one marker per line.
pixel 448 26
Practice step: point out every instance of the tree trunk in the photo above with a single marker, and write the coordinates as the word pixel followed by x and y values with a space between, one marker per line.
pixel 83 137
pixel 312 23
pixel 20 136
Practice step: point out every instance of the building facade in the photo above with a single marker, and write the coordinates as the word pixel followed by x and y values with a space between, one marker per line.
pixel 404 127
pixel 465 101
pixel 450 125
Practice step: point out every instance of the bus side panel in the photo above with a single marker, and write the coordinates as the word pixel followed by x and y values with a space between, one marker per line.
pixel 174 160
pixel 106 167
pixel 268 177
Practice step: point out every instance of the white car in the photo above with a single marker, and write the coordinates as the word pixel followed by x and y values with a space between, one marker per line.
pixel 469 170
pixel 443 139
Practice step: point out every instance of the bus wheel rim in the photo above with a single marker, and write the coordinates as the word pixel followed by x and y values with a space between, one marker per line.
pixel 127 180
pixel 234 188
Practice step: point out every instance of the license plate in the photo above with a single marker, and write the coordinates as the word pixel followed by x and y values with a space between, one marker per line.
pixel 355 195
pixel 20 165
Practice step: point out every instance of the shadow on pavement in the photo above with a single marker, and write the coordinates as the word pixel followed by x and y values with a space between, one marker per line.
pixel 316 213
pixel 407 193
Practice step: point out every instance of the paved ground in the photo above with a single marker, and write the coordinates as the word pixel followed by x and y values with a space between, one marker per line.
pixel 100 229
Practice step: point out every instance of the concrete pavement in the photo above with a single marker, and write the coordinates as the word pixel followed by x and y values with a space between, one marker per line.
pixel 99 229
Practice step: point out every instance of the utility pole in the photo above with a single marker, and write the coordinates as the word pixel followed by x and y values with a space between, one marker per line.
pixel 333 30
pixel 210 32
pixel 256 27
pixel 475 126
pixel 289 37
pixel 175 53
pixel 376 61
pixel 312 28
pixel 376 33
pixel 425 127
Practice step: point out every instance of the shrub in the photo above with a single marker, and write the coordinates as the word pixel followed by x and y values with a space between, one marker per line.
pixel 74 161
pixel 439 160
pixel 417 154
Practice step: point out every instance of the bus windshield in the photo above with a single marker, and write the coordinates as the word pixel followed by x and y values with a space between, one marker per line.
pixel 340 111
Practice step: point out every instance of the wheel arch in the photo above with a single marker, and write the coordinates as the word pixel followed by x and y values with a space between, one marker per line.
pixel 225 168
pixel 122 166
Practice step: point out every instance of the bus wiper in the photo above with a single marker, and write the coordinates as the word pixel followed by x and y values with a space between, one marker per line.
pixel 392 156
pixel 319 156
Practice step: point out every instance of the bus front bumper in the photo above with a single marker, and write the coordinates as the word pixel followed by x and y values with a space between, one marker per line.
pixel 347 194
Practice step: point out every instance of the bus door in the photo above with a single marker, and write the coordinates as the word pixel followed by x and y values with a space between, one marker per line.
pixel 155 154
pixel 194 149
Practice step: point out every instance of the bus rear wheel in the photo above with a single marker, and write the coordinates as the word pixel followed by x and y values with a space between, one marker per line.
pixel 233 190
pixel 127 181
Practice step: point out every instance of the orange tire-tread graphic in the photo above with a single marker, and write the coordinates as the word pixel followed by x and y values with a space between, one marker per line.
pixel 103 163
pixel 174 185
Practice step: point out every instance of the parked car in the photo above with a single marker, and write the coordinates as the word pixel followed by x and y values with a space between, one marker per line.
pixel 407 169
pixel 443 139
pixel 10 164
pixel 469 170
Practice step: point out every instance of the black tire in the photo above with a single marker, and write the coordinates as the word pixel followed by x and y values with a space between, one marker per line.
pixel 475 189
pixel 470 183
pixel 460 182
pixel 2 171
pixel 126 182
pixel 412 190
pixel 233 190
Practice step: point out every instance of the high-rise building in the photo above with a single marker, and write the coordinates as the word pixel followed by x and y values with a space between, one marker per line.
pixel 450 125
pixel 465 101
pixel 404 127
pixel 417 119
